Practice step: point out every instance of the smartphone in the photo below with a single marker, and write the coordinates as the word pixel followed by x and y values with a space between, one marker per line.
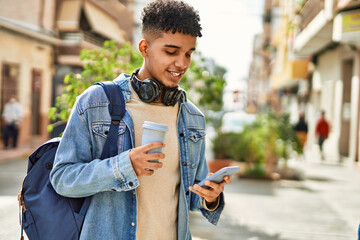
pixel 219 175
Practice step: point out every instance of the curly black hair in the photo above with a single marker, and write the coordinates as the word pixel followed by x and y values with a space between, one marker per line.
pixel 171 15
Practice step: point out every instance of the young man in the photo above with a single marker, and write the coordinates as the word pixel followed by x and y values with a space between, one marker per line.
pixel 129 201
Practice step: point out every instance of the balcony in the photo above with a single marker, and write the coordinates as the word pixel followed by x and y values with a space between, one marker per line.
pixel 309 11
pixel 81 38
pixel 315 27
pixel 72 43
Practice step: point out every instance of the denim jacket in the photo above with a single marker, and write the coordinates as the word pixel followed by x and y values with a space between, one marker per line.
pixel 112 182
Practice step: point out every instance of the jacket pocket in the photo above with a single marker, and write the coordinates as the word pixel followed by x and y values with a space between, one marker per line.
pixel 196 134
pixel 102 128
pixel 100 131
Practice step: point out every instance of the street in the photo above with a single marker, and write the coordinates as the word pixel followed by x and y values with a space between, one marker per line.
pixel 324 206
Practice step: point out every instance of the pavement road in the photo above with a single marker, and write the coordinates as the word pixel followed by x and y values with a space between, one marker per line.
pixel 325 206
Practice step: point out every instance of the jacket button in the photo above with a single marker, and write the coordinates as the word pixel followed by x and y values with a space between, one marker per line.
pixel 131 184
pixel 132 224
pixel 181 134
pixel 48 165
pixel 185 163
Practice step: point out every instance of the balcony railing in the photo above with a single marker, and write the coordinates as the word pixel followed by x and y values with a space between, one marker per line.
pixel 83 36
pixel 309 11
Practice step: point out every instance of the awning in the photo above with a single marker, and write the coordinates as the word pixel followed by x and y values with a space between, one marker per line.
pixel 104 24
pixel 119 12
pixel 293 72
pixel 69 16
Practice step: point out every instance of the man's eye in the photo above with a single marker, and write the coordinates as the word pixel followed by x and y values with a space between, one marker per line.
pixel 170 53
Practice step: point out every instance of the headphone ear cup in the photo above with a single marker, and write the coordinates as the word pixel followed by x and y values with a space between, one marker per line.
pixel 177 96
pixel 149 91
pixel 171 96
pixel 166 97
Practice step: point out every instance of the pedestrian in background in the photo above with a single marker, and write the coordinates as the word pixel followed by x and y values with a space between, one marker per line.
pixel 322 130
pixel 12 116
pixel 301 129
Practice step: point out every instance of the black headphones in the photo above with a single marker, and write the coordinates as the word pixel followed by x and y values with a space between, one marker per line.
pixel 150 90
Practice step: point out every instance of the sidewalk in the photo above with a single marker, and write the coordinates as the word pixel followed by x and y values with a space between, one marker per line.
pixel 325 206
pixel 338 184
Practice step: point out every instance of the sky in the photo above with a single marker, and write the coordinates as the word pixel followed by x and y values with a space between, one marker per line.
pixel 229 27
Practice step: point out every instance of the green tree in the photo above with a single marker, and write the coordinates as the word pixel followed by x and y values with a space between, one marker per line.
pixel 206 88
pixel 107 63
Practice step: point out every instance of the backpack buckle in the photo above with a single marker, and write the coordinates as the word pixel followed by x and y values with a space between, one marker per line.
pixel 115 122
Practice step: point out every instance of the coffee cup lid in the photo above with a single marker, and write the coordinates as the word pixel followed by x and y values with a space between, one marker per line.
pixel 155 126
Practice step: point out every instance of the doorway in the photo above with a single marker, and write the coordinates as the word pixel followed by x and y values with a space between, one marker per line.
pixel 36 102
pixel 347 73
pixel 9 86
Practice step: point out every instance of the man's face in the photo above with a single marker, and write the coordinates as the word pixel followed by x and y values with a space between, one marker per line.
pixel 167 57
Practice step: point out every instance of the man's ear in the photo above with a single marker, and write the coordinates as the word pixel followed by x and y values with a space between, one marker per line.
pixel 143 45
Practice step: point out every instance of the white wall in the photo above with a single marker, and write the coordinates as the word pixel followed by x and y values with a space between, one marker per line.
pixel 329 68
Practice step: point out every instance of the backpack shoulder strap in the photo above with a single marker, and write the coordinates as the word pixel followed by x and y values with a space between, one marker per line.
pixel 117 112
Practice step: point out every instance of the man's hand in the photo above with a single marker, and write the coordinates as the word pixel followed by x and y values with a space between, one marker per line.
pixel 210 195
pixel 140 159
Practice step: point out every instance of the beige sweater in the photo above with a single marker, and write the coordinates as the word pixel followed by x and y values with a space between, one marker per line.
pixel 157 195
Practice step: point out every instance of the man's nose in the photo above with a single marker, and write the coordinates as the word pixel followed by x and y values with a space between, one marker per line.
pixel 182 62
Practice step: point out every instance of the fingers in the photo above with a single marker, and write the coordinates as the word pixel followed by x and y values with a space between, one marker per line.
pixel 227 180
pixel 154 156
pixel 147 172
pixel 153 145
pixel 154 165
pixel 210 195
pixel 213 192
pixel 147 169
pixel 145 163
pixel 141 153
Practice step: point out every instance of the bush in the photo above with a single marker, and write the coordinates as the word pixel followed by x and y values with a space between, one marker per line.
pixel 269 138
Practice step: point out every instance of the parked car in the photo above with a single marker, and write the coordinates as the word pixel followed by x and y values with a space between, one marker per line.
pixel 235 121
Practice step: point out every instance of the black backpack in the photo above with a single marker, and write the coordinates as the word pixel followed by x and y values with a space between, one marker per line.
pixel 46 215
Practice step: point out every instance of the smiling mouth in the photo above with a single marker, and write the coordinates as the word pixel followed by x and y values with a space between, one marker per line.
pixel 176 74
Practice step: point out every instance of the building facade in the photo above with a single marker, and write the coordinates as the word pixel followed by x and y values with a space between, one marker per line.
pixel 40 43
pixel 315 66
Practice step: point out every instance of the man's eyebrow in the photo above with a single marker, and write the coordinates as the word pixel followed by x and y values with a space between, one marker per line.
pixel 177 47
pixel 172 46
